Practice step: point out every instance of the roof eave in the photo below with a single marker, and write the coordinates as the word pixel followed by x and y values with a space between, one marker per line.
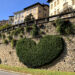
pixel 19 12
pixel 49 1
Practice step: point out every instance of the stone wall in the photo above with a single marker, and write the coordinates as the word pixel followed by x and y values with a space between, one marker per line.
pixel 8 56
pixel 72 20
pixel 66 61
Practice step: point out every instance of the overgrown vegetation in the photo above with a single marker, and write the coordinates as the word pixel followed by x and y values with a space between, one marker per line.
pixel 28 18
pixel 4 26
pixel 38 55
pixel 27 28
pixel 3 36
pixel 5 42
pixel 21 36
pixel 10 37
pixel 13 43
pixel 35 30
pixel 28 21
pixel 17 31
pixel 64 27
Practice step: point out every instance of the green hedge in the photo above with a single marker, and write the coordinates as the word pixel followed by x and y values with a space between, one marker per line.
pixel 64 26
pixel 38 55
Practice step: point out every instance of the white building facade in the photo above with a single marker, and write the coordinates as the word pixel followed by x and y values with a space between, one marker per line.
pixel 57 6
pixel 19 17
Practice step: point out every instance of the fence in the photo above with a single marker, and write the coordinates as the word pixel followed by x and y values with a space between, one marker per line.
pixel 69 15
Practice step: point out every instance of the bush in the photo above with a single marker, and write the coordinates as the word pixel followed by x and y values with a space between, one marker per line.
pixel 8 32
pixel 41 54
pixel 6 42
pixel 27 28
pixel 21 36
pixel 18 31
pixel 22 30
pixel 4 26
pixel 64 27
pixel 35 31
pixel 13 43
pixel 3 36
pixel 10 37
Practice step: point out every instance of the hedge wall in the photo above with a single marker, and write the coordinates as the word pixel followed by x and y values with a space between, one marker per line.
pixel 36 55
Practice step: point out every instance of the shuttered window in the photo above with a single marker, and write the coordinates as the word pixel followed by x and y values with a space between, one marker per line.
pixel 73 2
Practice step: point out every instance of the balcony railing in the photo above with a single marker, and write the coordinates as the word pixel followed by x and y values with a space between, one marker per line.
pixel 68 15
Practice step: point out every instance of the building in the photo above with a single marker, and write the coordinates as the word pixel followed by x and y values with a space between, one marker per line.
pixel 37 10
pixel 11 20
pixel 58 6
pixel 19 17
pixel 3 22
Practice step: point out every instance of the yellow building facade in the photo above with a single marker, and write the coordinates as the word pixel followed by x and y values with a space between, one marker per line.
pixel 37 10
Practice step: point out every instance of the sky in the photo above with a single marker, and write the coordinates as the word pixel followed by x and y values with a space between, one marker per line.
pixel 8 7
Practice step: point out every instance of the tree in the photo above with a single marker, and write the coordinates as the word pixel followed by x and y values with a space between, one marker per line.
pixel 28 21
pixel 29 18
pixel 35 30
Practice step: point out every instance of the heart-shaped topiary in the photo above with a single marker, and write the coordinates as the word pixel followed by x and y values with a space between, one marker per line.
pixel 36 55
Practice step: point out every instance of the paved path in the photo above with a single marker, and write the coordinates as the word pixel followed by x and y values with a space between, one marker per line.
pixel 9 73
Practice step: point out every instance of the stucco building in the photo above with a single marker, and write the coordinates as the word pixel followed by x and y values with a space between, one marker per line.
pixel 37 10
pixel 11 20
pixel 3 22
pixel 57 6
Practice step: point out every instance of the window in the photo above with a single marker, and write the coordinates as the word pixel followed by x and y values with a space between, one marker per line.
pixel 51 6
pixel 45 9
pixel 57 1
pixel 19 15
pixel 73 2
pixel 55 4
pixel 22 16
pixel 45 15
pixel 22 21
pixel 39 11
pixel 54 12
pixel 65 6
pixel 27 13
pixel 30 10
pixel 34 10
pixel 57 11
pixel 15 16
pixel 15 22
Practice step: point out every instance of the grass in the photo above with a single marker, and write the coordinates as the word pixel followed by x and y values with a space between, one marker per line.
pixel 34 71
